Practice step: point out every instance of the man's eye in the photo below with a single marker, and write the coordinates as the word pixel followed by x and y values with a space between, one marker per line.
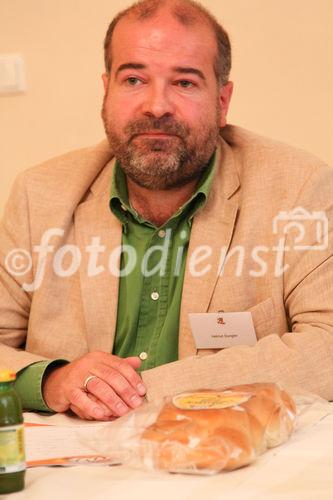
pixel 185 84
pixel 133 81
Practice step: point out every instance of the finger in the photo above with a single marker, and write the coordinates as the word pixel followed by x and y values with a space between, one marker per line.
pixel 125 369
pixel 116 393
pixel 88 408
pixel 121 386
pixel 107 411
pixel 134 361
pixel 78 412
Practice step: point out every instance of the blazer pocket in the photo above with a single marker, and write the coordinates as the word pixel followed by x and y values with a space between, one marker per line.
pixel 263 316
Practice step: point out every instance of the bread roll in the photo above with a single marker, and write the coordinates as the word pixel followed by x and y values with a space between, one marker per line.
pixel 207 431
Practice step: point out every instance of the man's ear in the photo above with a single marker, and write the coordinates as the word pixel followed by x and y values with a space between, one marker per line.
pixel 105 78
pixel 225 98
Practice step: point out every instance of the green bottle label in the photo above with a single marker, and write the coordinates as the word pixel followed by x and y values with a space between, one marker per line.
pixel 12 457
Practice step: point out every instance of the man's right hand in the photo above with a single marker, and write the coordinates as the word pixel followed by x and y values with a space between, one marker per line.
pixel 116 389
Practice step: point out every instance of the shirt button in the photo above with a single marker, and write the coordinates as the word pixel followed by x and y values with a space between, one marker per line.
pixel 143 356
pixel 161 233
pixel 155 296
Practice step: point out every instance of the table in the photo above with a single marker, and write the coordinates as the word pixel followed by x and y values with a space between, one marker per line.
pixel 300 469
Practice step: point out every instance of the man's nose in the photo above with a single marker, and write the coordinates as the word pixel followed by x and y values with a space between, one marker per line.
pixel 157 102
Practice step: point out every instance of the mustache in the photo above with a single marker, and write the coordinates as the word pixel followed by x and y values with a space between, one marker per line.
pixel 165 124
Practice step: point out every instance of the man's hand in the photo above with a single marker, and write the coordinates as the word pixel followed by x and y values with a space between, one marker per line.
pixel 116 389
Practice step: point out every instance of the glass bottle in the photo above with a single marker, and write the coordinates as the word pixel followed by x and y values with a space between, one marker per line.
pixel 12 457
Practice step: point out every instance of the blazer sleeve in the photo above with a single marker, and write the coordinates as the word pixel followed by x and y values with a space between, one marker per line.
pixel 15 270
pixel 301 357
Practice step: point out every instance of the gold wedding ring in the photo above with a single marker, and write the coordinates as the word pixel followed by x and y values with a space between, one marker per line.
pixel 87 381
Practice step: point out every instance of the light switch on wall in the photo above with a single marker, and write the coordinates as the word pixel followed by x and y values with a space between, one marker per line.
pixel 12 74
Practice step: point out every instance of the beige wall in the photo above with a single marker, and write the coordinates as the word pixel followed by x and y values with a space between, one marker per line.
pixel 283 74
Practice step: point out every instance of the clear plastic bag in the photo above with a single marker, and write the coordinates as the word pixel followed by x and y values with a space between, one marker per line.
pixel 201 432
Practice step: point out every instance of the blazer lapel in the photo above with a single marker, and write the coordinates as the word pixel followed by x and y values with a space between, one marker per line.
pixel 98 234
pixel 212 227
pixel 96 225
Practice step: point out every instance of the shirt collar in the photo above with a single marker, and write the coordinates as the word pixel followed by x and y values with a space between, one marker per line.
pixel 120 205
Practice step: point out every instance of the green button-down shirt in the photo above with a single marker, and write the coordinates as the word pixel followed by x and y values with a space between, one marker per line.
pixel 150 287
pixel 150 295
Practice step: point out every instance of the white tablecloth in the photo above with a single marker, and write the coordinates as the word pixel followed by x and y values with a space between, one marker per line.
pixel 299 469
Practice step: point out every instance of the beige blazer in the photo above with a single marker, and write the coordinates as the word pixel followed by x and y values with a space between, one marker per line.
pixel 65 317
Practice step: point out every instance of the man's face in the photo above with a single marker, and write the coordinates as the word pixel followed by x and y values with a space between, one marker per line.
pixel 162 108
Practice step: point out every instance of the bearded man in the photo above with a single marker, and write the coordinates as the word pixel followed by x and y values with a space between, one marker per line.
pixel 128 238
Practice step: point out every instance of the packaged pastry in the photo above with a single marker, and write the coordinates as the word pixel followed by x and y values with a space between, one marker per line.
pixel 201 432
pixel 210 430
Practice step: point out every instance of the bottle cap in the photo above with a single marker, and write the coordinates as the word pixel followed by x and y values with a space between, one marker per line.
pixel 7 375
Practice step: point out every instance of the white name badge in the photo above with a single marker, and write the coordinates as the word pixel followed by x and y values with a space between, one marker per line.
pixel 219 330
